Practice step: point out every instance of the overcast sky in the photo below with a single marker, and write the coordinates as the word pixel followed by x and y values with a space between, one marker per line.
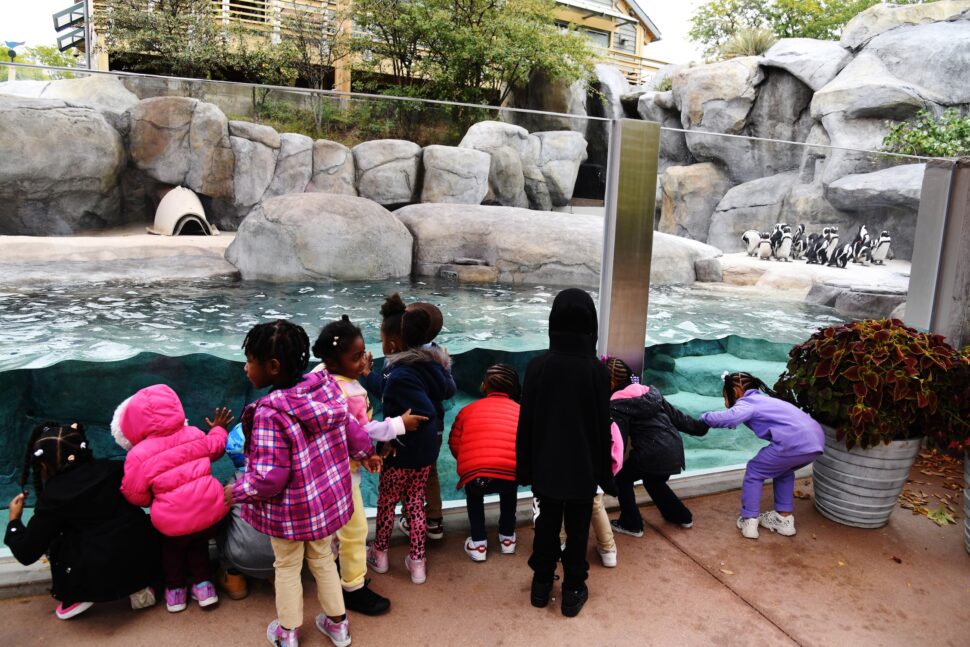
pixel 30 20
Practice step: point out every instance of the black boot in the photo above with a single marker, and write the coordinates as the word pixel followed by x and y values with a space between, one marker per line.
pixel 541 590
pixel 573 600
pixel 365 601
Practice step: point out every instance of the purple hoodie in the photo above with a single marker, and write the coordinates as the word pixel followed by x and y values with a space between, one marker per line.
pixel 788 428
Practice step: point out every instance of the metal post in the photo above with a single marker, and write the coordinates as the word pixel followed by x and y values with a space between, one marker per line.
pixel 939 283
pixel 87 35
pixel 631 189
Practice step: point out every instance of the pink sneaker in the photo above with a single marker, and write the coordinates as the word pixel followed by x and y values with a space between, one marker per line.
pixel 377 559
pixel 277 635
pixel 337 632
pixel 418 568
pixel 72 610
pixel 205 593
pixel 175 599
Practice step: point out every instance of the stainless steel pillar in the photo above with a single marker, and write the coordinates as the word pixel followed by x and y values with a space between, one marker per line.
pixel 939 283
pixel 631 189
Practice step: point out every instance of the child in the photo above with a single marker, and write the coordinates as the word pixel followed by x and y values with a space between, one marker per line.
pixel 796 441
pixel 296 488
pixel 101 547
pixel 169 467
pixel 341 347
pixel 482 441
pixel 651 430
pixel 415 378
pixel 563 446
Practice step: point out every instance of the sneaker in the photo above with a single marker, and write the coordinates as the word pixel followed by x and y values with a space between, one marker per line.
pixel 476 551
pixel 337 632
pixel 377 559
pixel 277 635
pixel 688 525
pixel 777 523
pixel 205 594
pixel 507 544
pixel 142 599
pixel 418 568
pixel 436 529
pixel 366 601
pixel 175 599
pixel 541 591
pixel 749 527
pixel 573 601
pixel 615 524
pixel 71 610
pixel 234 584
pixel 607 557
pixel 404 525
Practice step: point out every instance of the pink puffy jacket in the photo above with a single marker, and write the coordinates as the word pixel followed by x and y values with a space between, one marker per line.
pixel 169 464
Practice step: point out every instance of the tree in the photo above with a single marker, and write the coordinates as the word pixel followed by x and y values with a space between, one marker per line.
pixel 716 21
pixel 51 56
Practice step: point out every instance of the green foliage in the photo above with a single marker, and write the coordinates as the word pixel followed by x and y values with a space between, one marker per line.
pixel 666 84
pixel 717 21
pixel 877 381
pixel 928 135
pixel 51 56
pixel 748 42
pixel 471 51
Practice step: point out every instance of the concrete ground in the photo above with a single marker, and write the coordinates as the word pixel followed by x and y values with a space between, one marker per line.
pixel 905 584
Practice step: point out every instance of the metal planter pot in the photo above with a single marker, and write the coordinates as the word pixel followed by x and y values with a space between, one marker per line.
pixel 860 487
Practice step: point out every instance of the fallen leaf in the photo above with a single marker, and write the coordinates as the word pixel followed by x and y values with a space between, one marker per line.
pixel 813 536
pixel 940 516
pixel 727 572
pixel 841 563
pixel 896 559
pixel 801 495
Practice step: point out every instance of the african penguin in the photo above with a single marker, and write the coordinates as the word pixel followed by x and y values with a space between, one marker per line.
pixel 764 248
pixel 751 239
pixel 776 233
pixel 840 257
pixel 783 250
pixel 880 249
pixel 833 243
pixel 861 238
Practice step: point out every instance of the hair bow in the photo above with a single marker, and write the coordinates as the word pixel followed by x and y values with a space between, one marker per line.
pixel 725 374
pixel 39 453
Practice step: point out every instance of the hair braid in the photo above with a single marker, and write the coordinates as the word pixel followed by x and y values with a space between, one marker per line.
pixel 744 381
pixel 335 339
pixel 283 341
pixel 621 375
pixel 502 378
pixel 60 448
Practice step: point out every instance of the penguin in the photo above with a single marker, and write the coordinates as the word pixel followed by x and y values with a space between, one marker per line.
pixel 881 249
pixel 776 233
pixel 833 243
pixel 840 257
pixel 817 255
pixel 764 248
pixel 797 241
pixel 751 239
pixel 808 248
pixel 864 254
pixel 783 251
pixel 860 239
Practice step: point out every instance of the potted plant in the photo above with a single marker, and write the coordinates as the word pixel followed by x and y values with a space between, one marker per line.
pixel 878 387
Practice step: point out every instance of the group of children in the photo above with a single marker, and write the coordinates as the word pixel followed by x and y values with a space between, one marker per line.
pixel 576 428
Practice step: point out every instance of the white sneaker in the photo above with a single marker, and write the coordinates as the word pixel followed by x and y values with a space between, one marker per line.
pixel 608 558
pixel 688 525
pixel 777 523
pixel 749 527
pixel 475 550
pixel 507 544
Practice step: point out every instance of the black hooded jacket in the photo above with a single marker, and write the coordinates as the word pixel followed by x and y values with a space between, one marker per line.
pixel 651 428
pixel 563 440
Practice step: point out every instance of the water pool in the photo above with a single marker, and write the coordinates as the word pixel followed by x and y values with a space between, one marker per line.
pixel 73 352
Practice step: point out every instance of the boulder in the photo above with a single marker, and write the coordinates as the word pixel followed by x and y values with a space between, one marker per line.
pixel 536 189
pixel 882 18
pixel 653 106
pixel 852 139
pixel 526 246
pixel 294 165
pixel 813 62
pixel 690 195
pixel 869 304
pixel 455 175
pixel 607 86
pixel 781 112
pixel 758 204
pixel 387 170
pixel 265 135
pixel 185 142
pixel 544 94
pixel 898 186
pixel 668 71
pixel 560 154
pixel 708 270
pixel 254 169
pixel 320 236
pixel 867 89
pixel 511 147
pixel 718 97
pixel 106 94
pixel 333 169
pixel 60 169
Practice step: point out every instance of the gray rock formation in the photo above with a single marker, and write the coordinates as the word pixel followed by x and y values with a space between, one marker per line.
pixel 560 154
pixel 265 135
pixel 690 195
pixel 549 95
pixel 294 165
pixel 253 172
pixel 607 86
pixel 813 62
pixel 758 204
pixel 106 94
pixel 388 170
pixel 718 97
pixel 510 148
pixel 182 141
pixel 882 18
pixel 333 169
pixel 653 106
pixel 455 175
pixel 866 88
pixel 898 186
pixel 708 270
pixel 60 169
pixel 320 236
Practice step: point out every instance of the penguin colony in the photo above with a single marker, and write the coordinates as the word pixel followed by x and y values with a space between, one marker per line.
pixel 817 249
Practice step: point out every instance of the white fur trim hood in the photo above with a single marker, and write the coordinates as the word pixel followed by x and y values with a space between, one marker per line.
pixel 116 431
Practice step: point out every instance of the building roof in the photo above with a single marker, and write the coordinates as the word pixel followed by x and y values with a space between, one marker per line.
pixel 603 10
pixel 645 19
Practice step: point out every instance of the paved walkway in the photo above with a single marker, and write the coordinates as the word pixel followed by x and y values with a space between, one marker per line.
pixel 906 584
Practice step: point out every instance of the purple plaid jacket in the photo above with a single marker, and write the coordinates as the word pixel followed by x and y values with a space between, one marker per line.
pixel 297 480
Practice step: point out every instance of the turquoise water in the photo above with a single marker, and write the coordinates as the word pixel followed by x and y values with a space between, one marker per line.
pixel 74 352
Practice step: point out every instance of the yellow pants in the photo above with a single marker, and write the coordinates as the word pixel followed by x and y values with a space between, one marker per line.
pixel 353 543
pixel 289 587
pixel 601 527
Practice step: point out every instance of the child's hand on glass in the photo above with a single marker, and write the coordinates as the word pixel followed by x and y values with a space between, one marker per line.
pixel 17 506
pixel 227 493
pixel 368 363
pixel 411 421
pixel 373 464
pixel 222 418
pixel 387 451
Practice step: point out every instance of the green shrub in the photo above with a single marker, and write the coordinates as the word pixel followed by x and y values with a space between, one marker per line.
pixel 928 135
pixel 666 84
pixel 748 42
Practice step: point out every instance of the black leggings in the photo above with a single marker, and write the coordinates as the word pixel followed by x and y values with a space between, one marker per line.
pixel 672 509
pixel 553 515
pixel 475 491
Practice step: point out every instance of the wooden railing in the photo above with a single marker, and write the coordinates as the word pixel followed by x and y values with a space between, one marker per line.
pixel 637 69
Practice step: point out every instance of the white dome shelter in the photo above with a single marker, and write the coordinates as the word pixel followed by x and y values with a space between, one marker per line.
pixel 180 213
